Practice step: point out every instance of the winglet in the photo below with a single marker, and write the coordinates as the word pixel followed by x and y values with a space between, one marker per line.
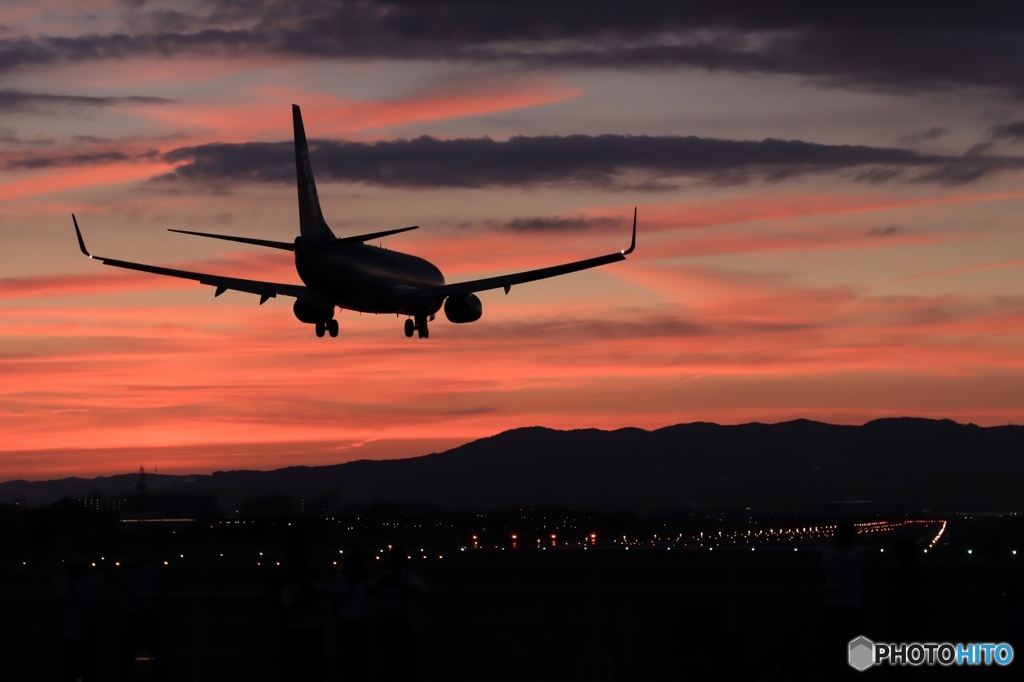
pixel 632 244
pixel 81 242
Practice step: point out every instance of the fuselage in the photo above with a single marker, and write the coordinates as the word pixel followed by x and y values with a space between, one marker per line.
pixel 366 278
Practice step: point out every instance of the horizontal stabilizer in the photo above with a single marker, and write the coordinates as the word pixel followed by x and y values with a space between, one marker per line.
pixel 372 235
pixel 286 246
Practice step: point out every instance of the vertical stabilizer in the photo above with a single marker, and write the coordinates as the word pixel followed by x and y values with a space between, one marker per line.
pixel 311 219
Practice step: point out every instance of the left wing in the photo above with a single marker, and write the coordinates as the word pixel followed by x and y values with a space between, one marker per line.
pixel 265 290
pixel 506 282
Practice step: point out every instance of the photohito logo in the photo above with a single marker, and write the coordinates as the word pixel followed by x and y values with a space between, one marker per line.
pixel 863 653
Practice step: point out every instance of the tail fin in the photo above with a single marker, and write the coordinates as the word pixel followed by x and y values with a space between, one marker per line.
pixel 311 218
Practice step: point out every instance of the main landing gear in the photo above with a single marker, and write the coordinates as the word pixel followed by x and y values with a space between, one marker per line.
pixel 327 327
pixel 419 325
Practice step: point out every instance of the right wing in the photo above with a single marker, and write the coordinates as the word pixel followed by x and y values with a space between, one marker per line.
pixel 265 290
pixel 506 282
pixel 290 246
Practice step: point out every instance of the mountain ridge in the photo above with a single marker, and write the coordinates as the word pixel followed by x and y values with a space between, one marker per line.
pixel 905 461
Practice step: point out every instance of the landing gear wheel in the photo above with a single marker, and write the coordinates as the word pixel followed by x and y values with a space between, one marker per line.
pixel 410 327
pixel 421 327
pixel 332 328
pixel 321 329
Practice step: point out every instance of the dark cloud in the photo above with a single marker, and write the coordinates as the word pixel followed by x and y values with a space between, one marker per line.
pixel 611 161
pixel 17 101
pixel 884 231
pixel 549 224
pixel 37 162
pixel 64 159
pixel 879 176
pixel 903 46
pixel 956 174
pixel 1013 131
pixel 933 133
pixel 10 137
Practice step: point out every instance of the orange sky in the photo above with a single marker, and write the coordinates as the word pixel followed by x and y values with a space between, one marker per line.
pixel 817 295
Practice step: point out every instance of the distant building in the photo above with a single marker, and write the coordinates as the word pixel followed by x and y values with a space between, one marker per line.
pixel 102 503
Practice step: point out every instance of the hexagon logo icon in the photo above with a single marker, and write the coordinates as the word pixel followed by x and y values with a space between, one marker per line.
pixel 861 653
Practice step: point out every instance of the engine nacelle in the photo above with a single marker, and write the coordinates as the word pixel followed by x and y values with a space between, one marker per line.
pixel 460 309
pixel 310 313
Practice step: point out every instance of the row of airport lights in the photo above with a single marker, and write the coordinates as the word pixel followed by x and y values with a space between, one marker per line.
pixel 721 539
pixel 700 540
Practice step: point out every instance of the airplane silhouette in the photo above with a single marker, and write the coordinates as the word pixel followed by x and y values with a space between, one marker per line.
pixel 345 272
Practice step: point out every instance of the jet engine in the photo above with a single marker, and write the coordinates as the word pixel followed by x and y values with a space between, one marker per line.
pixel 459 309
pixel 311 313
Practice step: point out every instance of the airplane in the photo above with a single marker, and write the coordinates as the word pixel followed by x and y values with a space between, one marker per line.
pixel 348 273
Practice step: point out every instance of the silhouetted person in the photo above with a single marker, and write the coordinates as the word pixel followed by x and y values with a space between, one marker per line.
pixel 843 602
pixel 140 635
pixel 398 591
pixel 303 606
pixel 75 585
pixel 352 606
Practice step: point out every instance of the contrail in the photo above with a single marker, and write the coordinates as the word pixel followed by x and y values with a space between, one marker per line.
pixel 956 271
pixel 676 385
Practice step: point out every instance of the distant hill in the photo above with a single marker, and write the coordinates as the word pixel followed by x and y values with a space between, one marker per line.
pixel 902 463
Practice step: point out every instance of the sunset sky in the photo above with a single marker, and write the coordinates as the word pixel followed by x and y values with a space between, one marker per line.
pixel 830 200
